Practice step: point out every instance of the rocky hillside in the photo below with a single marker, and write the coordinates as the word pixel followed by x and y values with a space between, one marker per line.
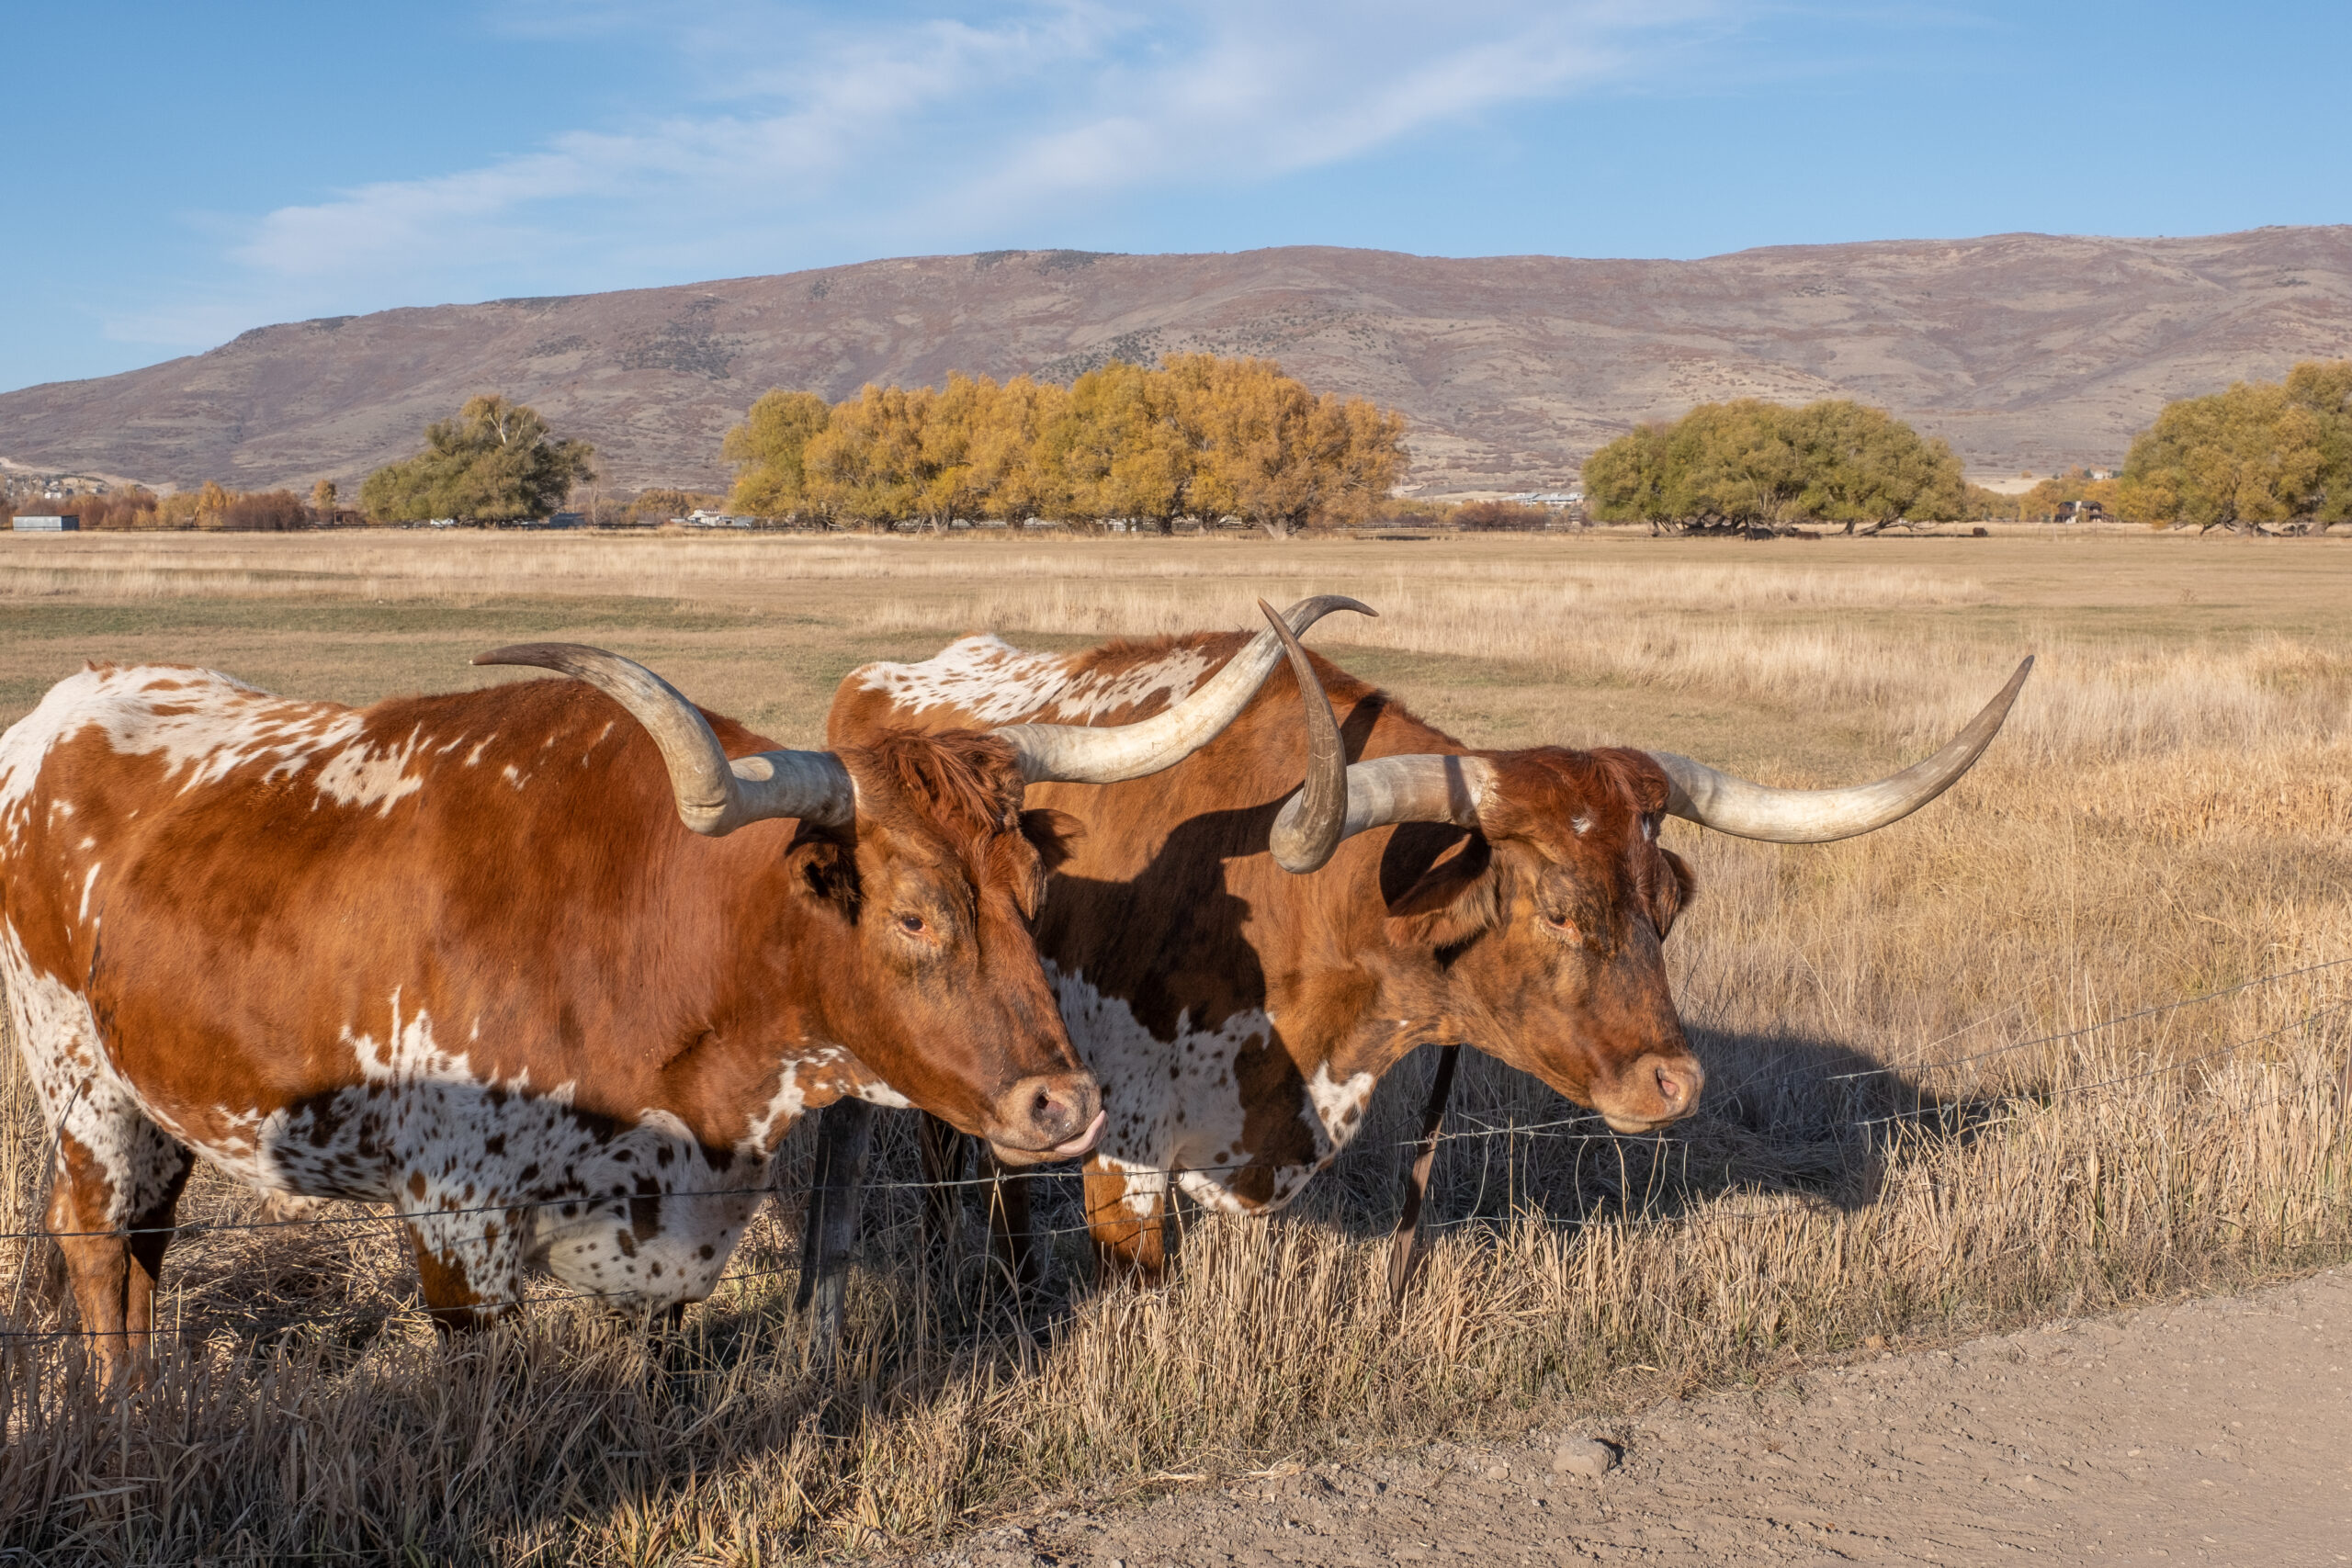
pixel 2025 351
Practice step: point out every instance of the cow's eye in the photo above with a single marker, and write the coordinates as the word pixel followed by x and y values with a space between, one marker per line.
pixel 911 924
pixel 1563 925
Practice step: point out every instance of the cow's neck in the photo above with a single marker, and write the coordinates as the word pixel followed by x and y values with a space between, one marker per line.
pixel 1410 1007
pixel 749 1045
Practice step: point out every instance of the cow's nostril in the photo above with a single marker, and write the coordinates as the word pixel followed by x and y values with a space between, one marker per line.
pixel 1669 1088
pixel 1046 1112
pixel 1051 1115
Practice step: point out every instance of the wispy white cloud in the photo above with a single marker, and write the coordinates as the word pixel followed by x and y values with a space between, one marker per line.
pixel 805 138
pixel 1260 92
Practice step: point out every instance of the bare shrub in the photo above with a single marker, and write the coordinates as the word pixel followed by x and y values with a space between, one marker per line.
pixel 265 511
pixel 1499 516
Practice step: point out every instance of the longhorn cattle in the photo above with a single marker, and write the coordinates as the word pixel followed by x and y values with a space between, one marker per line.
pixel 550 968
pixel 1239 1016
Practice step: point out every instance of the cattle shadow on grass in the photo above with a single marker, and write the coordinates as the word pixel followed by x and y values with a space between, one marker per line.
pixel 1784 1116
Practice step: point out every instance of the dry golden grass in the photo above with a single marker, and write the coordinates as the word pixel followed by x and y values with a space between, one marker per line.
pixel 1888 1147
pixel 408 564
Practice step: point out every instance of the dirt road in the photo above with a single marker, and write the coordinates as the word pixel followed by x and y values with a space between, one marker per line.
pixel 2215 1431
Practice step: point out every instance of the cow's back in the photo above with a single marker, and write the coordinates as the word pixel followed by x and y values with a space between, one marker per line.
pixel 1171 911
pixel 1204 985
pixel 266 900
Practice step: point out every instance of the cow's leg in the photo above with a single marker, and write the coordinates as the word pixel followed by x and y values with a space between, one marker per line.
pixel 1127 1213
pixel 118 1187
pixel 943 1149
pixel 1011 1230
pixel 845 1138
pixel 468 1265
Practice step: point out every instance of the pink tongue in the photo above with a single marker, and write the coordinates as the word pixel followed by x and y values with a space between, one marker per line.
pixel 1085 1141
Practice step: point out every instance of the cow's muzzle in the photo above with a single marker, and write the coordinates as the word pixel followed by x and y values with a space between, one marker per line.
pixel 1051 1116
pixel 1654 1089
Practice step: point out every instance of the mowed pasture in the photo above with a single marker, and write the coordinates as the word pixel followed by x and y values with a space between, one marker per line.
pixel 1962 1077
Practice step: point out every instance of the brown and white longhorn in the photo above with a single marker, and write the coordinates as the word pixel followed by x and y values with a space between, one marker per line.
pixel 551 967
pixel 1238 1013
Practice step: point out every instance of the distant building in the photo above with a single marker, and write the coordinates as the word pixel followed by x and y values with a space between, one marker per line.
pixel 70 523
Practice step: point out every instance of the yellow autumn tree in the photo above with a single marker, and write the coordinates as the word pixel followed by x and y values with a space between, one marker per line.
pixel 862 468
pixel 1126 446
pixel 1012 452
pixel 1199 438
pixel 768 450
pixel 1278 457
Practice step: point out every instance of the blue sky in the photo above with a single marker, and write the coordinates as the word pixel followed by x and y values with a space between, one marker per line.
pixel 177 173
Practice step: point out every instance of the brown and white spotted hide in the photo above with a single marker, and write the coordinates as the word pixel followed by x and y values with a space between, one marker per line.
pixel 457 955
pixel 1238 1017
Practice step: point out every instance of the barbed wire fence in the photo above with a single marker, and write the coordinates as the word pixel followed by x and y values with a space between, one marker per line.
pixel 2008 1106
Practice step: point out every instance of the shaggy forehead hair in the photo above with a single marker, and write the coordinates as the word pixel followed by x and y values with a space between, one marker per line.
pixel 971 781
pixel 1564 782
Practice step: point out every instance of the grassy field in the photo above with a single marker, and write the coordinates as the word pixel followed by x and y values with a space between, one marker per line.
pixel 1890 1147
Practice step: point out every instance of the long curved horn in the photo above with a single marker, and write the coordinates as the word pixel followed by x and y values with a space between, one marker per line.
pixel 1731 805
pixel 715 795
pixel 1077 753
pixel 1308 840
pixel 1426 786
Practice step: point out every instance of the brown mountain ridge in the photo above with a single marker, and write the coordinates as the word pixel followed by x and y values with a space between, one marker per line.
pixel 2025 351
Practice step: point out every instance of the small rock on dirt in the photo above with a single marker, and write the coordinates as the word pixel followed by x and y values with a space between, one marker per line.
pixel 1584 1456
pixel 1498 1473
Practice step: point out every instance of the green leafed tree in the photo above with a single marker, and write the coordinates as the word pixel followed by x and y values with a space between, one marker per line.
pixel 1625 481
pixel 2323 389
pixel 496 462
pixel 1755 467
pixel 2242 458
pixel 1864 466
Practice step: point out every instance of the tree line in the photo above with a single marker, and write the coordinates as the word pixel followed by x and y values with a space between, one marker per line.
pixel 1211 439
pixel 211 505
pixel 2270 456
pixel 1198 437
pixel 2261 454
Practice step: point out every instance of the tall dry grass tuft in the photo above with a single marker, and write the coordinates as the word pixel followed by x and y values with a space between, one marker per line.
pixel 1923 1120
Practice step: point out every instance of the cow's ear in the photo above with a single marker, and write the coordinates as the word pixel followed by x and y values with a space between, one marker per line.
pixel 1049 835
pixel 1673 893
pixel 825 869
pixel 1450 902
pixel 1054 835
